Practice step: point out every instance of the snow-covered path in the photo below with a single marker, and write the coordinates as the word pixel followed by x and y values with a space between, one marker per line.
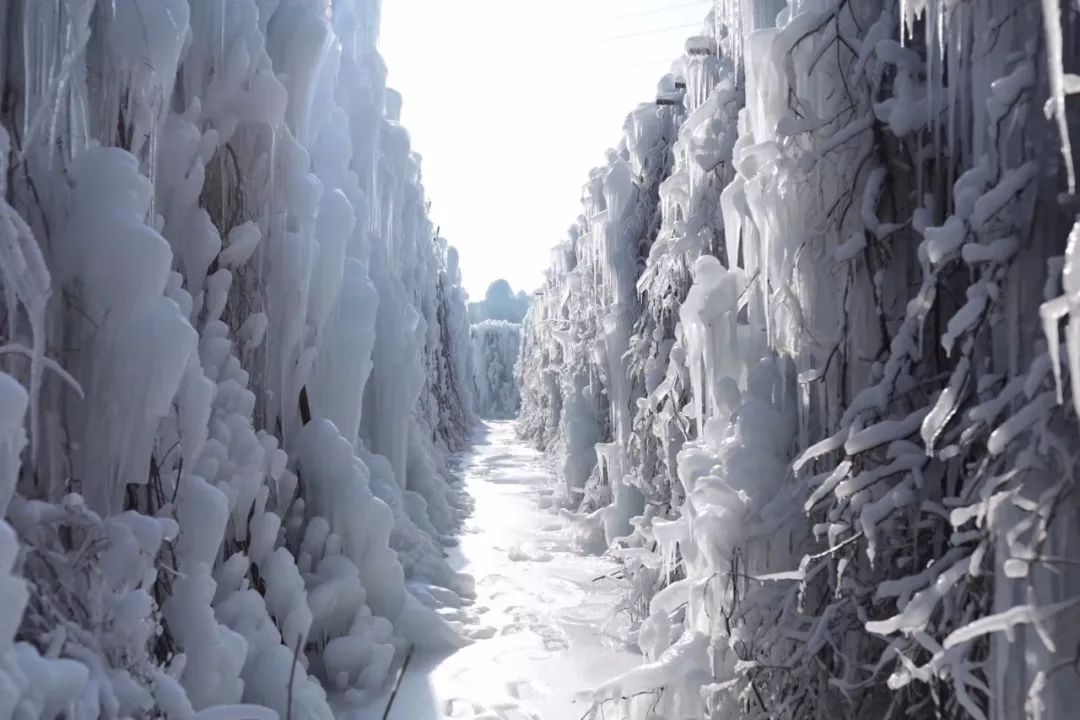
pixel 541 620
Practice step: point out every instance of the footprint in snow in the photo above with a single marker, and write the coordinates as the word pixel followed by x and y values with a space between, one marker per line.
pixel 555 644
pixel 520 554
pixel 523 690
pixel 461 708
pixel 512 711
pixel 482 633
pixel 553 638
pixel 502 711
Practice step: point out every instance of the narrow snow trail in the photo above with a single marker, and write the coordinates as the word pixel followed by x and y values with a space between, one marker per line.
pixel 542 623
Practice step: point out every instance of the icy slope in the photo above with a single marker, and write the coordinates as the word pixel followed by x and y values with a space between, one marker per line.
pixel 234 360
pixel 795 365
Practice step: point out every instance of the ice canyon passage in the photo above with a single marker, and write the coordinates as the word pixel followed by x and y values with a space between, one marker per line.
pixel 787 431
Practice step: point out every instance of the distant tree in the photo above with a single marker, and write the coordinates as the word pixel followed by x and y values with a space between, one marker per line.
pixel 500 303
pixel 499 292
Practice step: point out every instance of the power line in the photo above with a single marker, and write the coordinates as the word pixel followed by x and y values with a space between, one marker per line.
pixel 653 11
pixel 643 33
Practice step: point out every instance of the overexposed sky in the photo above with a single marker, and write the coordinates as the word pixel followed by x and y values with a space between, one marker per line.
pixel 511 102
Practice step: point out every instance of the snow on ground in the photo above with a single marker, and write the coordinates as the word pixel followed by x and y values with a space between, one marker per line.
pixel 544 627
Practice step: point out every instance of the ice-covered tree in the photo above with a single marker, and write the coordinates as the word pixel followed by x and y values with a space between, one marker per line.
pixel 846 368
pixel 500 303
pixel 234 360
pixel 495 351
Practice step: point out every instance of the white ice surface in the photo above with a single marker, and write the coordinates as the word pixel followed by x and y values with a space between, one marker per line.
pixel 543 629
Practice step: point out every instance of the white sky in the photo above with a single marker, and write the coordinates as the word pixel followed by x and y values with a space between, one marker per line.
pixel 512 102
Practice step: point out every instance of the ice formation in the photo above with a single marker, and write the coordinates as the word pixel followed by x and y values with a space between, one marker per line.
pixel 790 365
pixel 805 364
pixel 235 359
pixel 495 352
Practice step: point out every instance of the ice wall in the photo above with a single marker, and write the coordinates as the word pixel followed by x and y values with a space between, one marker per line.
pixel 819 360
pixel 235 359
pixel 495 346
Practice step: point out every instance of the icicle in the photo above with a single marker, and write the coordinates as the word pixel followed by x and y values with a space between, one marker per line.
pixel 28 69
pixel 1055 106
pixel 1054 310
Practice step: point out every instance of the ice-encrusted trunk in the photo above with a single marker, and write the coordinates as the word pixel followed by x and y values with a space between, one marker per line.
pixel 860 480
pixel 574 371
pixel 213 246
